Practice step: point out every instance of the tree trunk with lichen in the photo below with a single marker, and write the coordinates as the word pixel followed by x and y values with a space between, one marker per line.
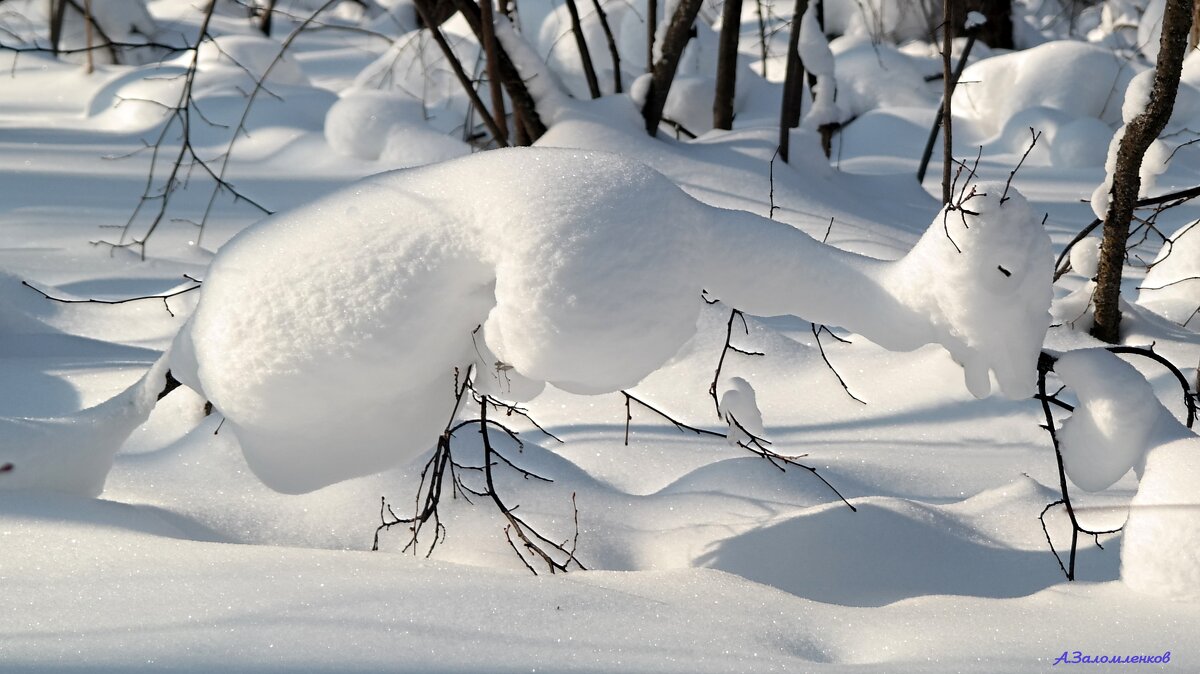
pixel 1126 179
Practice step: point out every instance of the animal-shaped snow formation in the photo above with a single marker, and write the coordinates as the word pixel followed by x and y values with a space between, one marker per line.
pixel 329 336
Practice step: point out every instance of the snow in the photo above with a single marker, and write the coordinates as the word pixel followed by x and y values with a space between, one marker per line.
pixel 997 88
pixel 1113 426
pixel 739 409
pixel 1169 288
pixel 1085 256
pixel 818 61
pixel 1081 143
pixel 326 337
pixel 1160 554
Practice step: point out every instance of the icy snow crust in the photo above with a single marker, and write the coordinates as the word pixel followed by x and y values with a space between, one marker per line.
pixel 323 332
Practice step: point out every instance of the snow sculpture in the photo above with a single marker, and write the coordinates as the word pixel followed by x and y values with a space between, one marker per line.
pixel 328 336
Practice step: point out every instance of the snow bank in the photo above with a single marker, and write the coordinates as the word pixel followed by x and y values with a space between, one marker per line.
pixel 1160 553
pixel 1081 143
pixel 1170 287
pixel 583 270
pixel 997 88
pixel 871 76
pixel 388 125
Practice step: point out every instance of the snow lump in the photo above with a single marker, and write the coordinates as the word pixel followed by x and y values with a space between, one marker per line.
pixel 329 336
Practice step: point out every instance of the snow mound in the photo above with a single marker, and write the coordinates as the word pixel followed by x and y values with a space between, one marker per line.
pixel 73 454
pixel 872 76
pixel 1001 86
pixel 1081 143
pixel 1118 418
pixel 579 269
pixel 1170 287
pixel 358 124
pixel 1160 554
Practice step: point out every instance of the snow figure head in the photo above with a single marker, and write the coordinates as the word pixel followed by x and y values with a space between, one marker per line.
pixel 983 272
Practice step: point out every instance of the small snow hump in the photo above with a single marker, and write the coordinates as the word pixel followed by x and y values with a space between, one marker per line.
pixel 578 269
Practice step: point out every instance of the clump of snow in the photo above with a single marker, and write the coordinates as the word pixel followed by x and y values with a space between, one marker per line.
pixel 1117 420
pixel 358 124
pixel 1160 552
pixel 73 454
pixel 818 61
pixel 1154 162
pixel 415 144
pixel 583 270
pixel 1081 143
pixel 1170 287
pixel 1003 85
pixel 871 76
pixel 1003 256
pixel 974 20
pixel 1085 256
pixel 739 409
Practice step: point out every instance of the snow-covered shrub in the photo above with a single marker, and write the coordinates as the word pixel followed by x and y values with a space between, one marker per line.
pixel 996 89
pixel 583 270
pixel 1120 425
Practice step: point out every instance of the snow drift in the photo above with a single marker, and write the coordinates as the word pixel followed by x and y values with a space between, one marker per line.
pixel 329 336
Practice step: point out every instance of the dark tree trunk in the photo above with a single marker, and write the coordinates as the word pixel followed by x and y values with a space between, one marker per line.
pixel 793 84
pixel 585 56
pixel 727 53
pixel 1126 180
pixel 264 21
pixel 459 73
pixel 493 72
pixel 438 11
pixel 524 107
pixel 997 32
pixel 948 30
pixel 651 31
pixel 58 11
pixel 679 31
pixel 613 53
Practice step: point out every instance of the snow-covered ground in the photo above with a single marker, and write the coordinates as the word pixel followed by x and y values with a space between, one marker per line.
pixel 146 535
